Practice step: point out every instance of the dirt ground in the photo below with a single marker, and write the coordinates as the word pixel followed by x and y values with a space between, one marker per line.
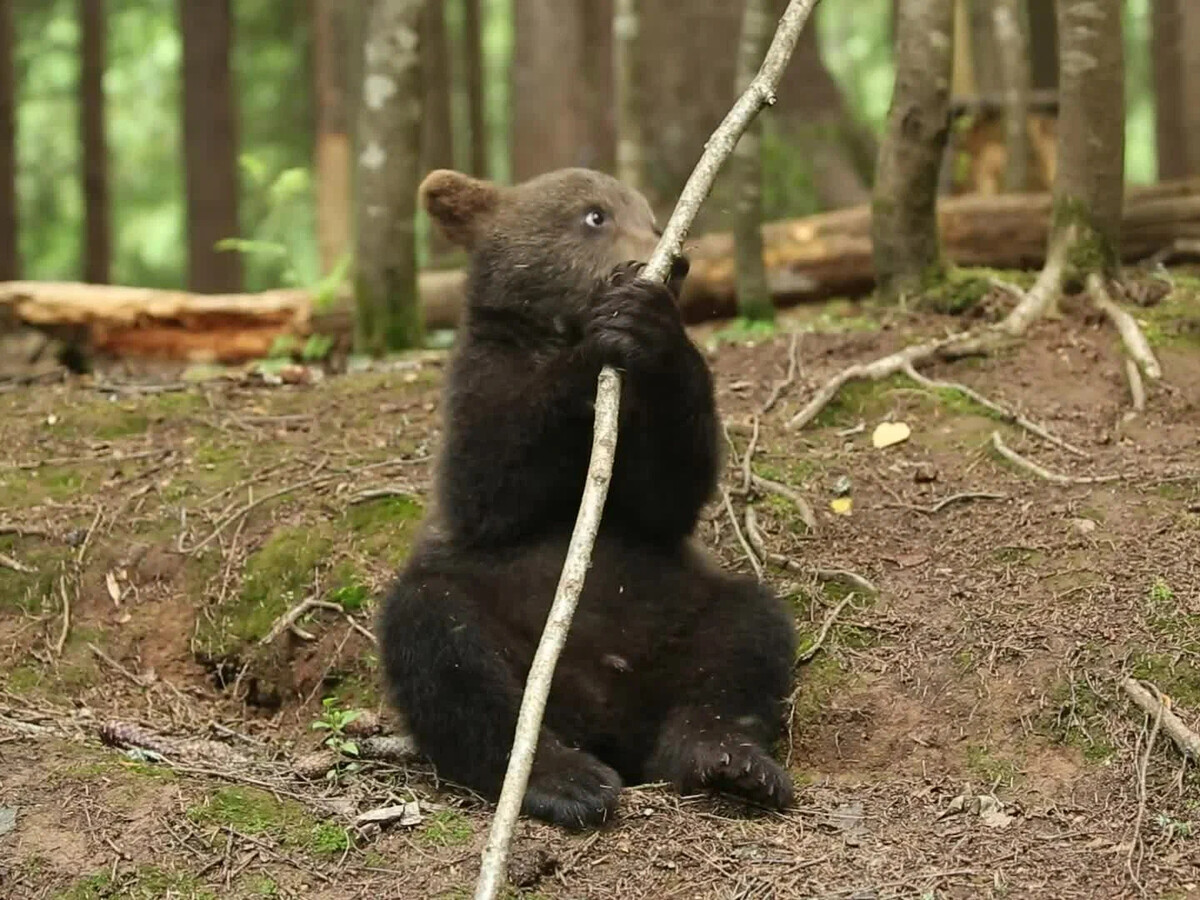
pixel 959 734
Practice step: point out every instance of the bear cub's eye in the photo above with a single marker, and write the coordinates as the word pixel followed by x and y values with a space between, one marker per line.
pixel 594 218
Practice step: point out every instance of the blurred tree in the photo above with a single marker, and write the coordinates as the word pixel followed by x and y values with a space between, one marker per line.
pixel 10 267
pixel 1190 35
pixel 210 145
pixel 437 131
pixel 473 65
pixel 389 151
pixel 560 55
pixel 333 144
pixel 1170 125
pixel 753 294
pixel 97 253
pixel 625 88
pixel 1011 30
pixel 1090 179
pixel 904 231
pixel 1043 45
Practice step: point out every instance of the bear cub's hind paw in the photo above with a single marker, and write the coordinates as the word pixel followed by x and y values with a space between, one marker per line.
pixel 735 766
pixel 571 788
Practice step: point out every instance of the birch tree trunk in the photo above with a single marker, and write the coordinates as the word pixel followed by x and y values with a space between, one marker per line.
pixel 629 126
pixel 388 167
pixel 1012 40
pixel 904 232
pixel 10 264
pixel 1090 181
pixel 753 295
pixel 97 250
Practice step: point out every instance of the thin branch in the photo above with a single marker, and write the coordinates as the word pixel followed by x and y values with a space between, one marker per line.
pixel 1033 468
pixel 789 379
pixel 66 617
pixel 15 564
pixel 789 494
pixel 1143 766
pixel 760 93
pixel 812 650
pixel 1186 740
pixel 292 616
pixel 1008 415
pixel 1131 333
pixel 104 657
pixel 839 576
pixel 936 508
pixel 755 563
pixel 748 459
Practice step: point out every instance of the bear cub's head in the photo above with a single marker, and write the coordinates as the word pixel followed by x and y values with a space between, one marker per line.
pixel 547 242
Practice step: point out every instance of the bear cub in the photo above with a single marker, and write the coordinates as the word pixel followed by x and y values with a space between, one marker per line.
pixel 674 670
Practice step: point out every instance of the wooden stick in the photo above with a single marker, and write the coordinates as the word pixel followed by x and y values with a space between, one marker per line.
pixel 1186 740
pixel 760 93
pixel 1034 469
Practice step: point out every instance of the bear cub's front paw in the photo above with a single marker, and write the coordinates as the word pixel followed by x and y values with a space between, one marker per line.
pixel 633 321
pixel 737 766
pixel 571 788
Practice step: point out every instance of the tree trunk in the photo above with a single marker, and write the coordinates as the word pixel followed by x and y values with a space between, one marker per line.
pixel 1043 45
pixel 1089 182
pixel 1012 44
pixel 210 145
pixel 904 203
pixel 629 124
pixel 754 298
pixel 331 70
pixel 437 129
pixel 389 140
pixel 1191 81
pixel 437 132
pixel 97 251
pixel 473 52
pixel 10 258
pixel 553 83
pixel 1166 51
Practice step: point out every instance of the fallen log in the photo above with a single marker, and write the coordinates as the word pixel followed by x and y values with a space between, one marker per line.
pixel 807 259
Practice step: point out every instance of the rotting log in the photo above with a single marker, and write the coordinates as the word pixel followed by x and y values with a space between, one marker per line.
pixel 807 259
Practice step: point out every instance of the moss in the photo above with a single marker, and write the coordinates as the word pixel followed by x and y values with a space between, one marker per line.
pixel 1023 556
pixel 260 886
pixel 446 828
pixel 255 812
pixel 1179 680
pixel 858 400
pixel 744 331
pixel 958 291
pixel 992 769
pixel 23 679
pixel 30 592
pixel 143 883
pixel 1093 251
pixel 275 580
pixel 1075 717
pixel 384 529
pixel 326 837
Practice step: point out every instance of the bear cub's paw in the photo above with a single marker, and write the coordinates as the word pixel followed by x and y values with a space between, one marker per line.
pixel 734 765
pixel 571 788
pixel 632 321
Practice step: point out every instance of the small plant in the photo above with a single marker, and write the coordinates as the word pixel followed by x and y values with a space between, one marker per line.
pixel 1174 828
pixel 351 597
pixel 1161 593
pixel 334 719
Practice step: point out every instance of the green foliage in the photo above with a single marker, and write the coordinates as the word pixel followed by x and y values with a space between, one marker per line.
pixel 446 828
pixel 334 719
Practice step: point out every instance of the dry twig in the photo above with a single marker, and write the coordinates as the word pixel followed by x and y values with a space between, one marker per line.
pixel 737 531
pixel 759 93
pixel 936 508
pixel 15 564
pixel 1033 468
pixel 66 617
pixel 116 666
pixel 292 616
pixel 812 650
pixel 1142 766
pixel 788 380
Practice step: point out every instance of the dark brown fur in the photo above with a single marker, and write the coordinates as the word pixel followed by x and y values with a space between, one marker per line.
pixel 673 669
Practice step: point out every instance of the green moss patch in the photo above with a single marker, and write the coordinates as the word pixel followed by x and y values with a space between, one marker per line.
pixel 447 828
pixel 143 883
pixel 384 528
pixel 258 813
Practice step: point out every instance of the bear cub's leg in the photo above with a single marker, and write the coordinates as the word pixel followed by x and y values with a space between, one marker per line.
pixel 461 700
pixel 716 736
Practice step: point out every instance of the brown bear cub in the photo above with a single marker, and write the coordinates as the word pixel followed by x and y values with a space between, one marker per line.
pixel 673 670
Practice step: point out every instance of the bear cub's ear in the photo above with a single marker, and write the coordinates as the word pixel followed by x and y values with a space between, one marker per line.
pixel 459 204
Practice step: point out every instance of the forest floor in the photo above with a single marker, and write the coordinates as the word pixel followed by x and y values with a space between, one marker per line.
pixel 961 734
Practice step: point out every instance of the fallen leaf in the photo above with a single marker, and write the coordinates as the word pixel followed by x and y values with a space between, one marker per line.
pixel 888 433
pixel 114 589
pixel 842 505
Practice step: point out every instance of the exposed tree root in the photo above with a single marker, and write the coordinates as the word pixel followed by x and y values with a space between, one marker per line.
pixel 1131 333
pixel 792 496
pixel 936 508
pixel 1156 705
pixel 737 530
pixel 1137 391
pixel 1006 414
pixel 788 381
pixel 1033 468
pixel 836 576
pixel 812 650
